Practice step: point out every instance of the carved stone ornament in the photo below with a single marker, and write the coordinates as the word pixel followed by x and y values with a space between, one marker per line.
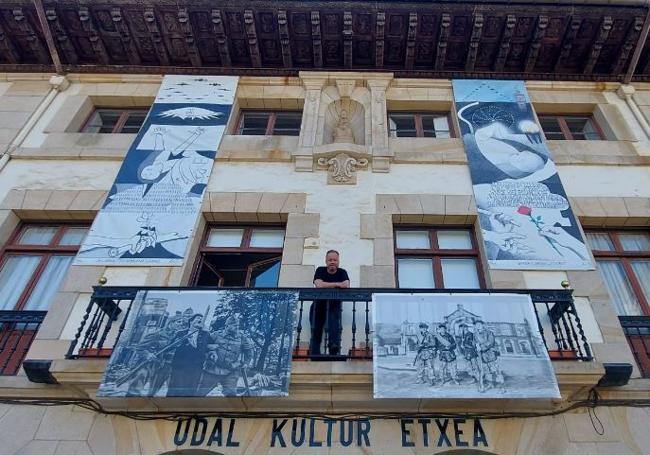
pixel 342 168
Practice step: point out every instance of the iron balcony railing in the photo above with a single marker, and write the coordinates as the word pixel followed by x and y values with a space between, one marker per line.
pixel 637 331
pixel 557 319
pixel 17 331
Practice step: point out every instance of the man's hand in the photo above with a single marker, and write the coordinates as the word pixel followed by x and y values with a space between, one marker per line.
pixel 507 241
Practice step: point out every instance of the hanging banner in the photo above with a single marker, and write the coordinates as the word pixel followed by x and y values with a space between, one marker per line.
pixel 195 343
pixel 459 346
pixel 524 213
pixel 153 205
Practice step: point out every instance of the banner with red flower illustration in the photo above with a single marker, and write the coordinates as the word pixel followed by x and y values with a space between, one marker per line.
pixel 524 213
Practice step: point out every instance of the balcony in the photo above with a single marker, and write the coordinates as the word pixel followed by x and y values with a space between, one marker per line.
pixel 334 384
pixel 17 331
pixel 637 331
pixel 558 322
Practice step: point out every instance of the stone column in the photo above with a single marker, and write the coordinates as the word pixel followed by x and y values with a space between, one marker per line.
pixel 313 84
pixel 381 153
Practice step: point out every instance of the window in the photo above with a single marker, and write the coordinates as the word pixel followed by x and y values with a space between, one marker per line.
pixel 623 259
pixel 258 123
pixel 233 256
pixel 437 258
pixel 570 128
pixel 404 124
pixel 116 121
pixel 32 268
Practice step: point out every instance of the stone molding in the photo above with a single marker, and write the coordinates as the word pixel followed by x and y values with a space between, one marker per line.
pixel 288 208
pixel 612 211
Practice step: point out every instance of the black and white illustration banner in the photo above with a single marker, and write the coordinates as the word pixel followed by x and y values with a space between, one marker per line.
pixel 153 205
pixel 524 212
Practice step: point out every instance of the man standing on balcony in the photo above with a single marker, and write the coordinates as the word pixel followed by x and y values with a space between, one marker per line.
pixel 328 312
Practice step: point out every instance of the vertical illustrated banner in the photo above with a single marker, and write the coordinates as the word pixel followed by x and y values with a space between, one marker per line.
pixel 196 343
pixel 459 346
pixel 524 212
pixel 153 205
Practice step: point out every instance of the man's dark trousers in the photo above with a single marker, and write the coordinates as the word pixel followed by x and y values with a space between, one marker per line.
pixel 325 313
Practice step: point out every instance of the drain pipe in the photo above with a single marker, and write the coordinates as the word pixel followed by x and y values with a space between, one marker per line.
pixel 58 84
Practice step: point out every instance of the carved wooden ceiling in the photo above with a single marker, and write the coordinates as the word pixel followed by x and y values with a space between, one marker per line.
pixel 424 39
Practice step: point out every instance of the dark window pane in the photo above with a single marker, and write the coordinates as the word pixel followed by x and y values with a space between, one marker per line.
pixel 254 123
pixel 265 275
pixel 103 121
pixel 435 126
pixel 582 128
pixel 551 128
pixel 402 125
pixel 134 122
pixel 287 124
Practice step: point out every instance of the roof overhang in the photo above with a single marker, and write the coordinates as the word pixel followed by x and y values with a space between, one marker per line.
pixel 601 40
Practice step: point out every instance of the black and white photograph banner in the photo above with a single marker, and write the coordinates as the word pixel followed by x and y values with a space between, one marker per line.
pixel 525 217
pixel 152 208
pixel 459 346
pixel 197 343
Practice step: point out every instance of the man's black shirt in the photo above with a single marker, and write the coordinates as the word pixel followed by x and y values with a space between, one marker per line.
pixel 338 277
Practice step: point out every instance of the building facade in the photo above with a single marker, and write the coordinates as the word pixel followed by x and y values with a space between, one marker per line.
pixel 291 181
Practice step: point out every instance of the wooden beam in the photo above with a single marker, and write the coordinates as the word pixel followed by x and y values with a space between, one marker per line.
pixel 125 36
pixel 410 41
pixel 380 30
pixel 285 39
pixel 474 41
pixel 316 38
pixel 536 43
pixel 504 45
pixel 567 43
pixel 347 39
pixel 95 40
pixel 597 47
pixel 251 34
pixel 222 39
pixel 61 36
pixel 7 47
pixel 33 40
pixel 158 43
pixel 445 29
pixel 190 40
pixel 630 40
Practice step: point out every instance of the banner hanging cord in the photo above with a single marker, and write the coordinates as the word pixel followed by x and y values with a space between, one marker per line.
pixel 591 403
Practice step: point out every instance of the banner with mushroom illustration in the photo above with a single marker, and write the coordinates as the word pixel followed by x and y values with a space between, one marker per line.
pixel 151 209
pixel 524 213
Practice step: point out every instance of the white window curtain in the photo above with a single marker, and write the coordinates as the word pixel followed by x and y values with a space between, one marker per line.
pixel 48 283
pixel 619 288
pixel 642 271
pixel 14 276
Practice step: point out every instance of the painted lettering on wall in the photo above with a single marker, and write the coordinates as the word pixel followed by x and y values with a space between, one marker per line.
pixel 312 432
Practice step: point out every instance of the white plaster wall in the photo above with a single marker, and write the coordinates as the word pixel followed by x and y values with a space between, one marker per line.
pixel 58 175
pixel 340 206
pixel 606 181
pixel 4 86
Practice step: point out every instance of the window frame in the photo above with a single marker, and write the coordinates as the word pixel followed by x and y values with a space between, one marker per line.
pixel 13 248
pixel 121 121
pixel 419 129
pixel 243 248
pixel 436 254
pixel 564 128
pixel 624 257
pixel 270 123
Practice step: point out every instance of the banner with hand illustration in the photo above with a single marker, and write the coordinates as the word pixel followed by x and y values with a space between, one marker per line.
pixel 154 203
pixel 524 213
